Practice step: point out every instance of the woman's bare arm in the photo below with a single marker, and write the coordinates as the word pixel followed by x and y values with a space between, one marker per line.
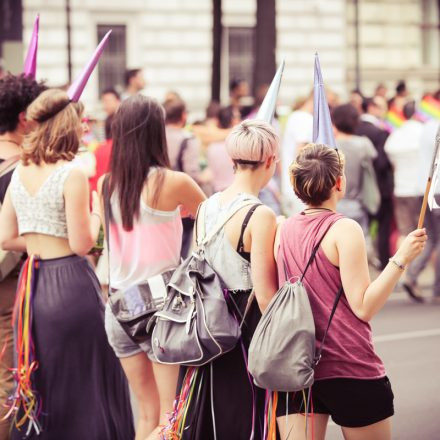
pixel 366 298
pixel 9 238
pixel 263 228
pixel 82 227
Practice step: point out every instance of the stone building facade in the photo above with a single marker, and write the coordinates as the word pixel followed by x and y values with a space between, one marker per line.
pixel 172 40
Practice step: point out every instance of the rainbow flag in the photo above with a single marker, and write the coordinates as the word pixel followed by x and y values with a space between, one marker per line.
pixel 394 119
pixel 429 108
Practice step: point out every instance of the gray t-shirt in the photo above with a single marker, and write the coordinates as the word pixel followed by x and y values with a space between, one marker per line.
pixel 356 149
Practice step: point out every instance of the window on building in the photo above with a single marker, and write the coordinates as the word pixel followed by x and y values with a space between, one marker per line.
pixel 239 56
pixel 430 32
pixel 112 64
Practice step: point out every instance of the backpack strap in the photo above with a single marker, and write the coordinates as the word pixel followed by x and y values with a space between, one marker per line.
pixel 240 244
pixel 203 238
pixel 9 164
pixel 182 148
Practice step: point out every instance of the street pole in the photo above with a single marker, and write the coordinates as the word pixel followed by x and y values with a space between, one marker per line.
pixel 216 49
pixel 356 45
pixel 69 43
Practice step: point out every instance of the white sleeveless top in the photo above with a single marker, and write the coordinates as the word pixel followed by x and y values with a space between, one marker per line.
pixel 232 268
pixel 44 212
pixel 150 248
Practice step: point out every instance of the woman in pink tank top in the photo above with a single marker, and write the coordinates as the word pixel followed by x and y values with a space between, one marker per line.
pixel 350 385
pixel 143 197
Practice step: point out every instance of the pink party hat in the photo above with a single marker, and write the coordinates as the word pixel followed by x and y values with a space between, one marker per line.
pixel 77 87
pixel 30 64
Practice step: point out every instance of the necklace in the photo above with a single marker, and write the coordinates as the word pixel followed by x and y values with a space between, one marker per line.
pixel 316 210
pixel 10 141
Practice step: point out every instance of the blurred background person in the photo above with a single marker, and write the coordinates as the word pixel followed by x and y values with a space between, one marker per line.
pixel 356 149
pixel 134 82
pixel 220 165
pixel 238 91
pixel 403 148
pixel 184 155
pixel 297 134
pixel 381 90
pixel 370 125
pixel 356 99
pixel 16 93
pixel 110 100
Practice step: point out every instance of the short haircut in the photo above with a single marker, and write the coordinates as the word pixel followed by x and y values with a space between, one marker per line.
pixel 314 172
pixel 56 129
pixel 366 102
pixel 251 143
pixel 129 74
pixel 409 109
pixel 111 91
pixel 174 110
pixel 225 116
pixel 235 82
pixel 345 118
pixel 401 86
pixel 213 109
pixel 16 93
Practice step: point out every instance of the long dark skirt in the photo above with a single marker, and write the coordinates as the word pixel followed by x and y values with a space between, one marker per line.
pixel 79 379
pixel 233 395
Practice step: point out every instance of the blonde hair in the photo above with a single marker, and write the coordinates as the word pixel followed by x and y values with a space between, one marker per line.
pixel 314 172
pixel 55 128
pixel 252 142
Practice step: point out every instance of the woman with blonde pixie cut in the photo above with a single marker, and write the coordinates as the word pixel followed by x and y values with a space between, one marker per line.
pixel 76 382
pixel 241 254
pixel 349 371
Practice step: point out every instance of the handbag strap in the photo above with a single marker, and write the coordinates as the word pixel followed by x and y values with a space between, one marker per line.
pixel 8 164
pixel 107 211
pixel 204 238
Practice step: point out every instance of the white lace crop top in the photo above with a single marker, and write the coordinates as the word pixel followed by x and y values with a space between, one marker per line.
pixel 44 212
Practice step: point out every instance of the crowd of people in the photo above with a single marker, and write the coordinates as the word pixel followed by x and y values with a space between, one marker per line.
pixel 142 186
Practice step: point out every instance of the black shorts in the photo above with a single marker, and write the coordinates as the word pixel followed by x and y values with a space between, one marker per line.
pixel 352 403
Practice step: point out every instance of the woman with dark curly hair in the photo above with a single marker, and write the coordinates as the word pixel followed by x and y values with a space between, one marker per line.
pixel 16 93
pixel 69 384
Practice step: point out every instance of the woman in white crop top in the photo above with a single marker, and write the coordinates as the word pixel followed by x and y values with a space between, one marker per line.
pixel 145 235
pixel 77 388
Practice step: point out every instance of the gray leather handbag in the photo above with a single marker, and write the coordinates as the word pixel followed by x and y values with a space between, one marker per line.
pixel 282 354
pixel 195 326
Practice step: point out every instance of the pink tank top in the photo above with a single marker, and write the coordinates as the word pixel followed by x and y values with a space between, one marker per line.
pixel 348 351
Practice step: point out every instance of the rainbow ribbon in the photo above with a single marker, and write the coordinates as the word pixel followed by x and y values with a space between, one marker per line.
pixel 25 404
pixel 429 108
pixel 174 429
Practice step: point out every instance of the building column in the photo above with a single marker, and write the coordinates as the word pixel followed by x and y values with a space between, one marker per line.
pixel 216 49
pixel 265 47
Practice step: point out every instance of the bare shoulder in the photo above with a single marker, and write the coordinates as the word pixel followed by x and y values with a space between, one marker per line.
pixel 76 177
pixel 346 230
pixel 263 216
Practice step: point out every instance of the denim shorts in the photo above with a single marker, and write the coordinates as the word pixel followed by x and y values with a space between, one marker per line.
pixel 121 343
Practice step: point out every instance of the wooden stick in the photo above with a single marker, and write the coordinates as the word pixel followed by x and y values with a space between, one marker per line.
pixel 428 184
pixel 424 204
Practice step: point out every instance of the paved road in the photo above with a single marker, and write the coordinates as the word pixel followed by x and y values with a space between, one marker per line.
pixel 407 338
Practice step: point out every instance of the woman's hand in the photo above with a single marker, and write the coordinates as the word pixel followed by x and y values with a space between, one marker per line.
pixel 412 246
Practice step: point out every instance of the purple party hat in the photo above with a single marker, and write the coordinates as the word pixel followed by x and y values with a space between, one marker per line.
pixel 77 87
pixel 30 63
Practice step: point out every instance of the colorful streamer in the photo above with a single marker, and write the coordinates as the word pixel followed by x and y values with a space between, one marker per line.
pixel 394 119
pixel 25 404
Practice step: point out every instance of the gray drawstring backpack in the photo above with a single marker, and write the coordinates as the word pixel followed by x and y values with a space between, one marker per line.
pixel 282 355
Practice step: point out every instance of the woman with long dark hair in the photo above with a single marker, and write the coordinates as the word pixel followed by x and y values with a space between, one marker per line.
pixel 69 384
pixel 145 236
